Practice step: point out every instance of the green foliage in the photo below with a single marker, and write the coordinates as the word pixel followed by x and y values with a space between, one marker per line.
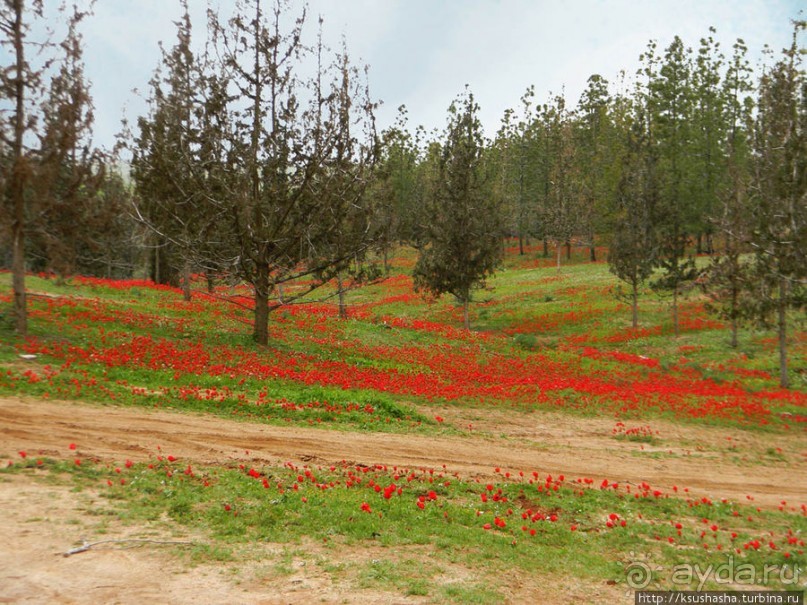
pixel 528 342
pixel 397 184
pixel 171 166
pixel 519 164
pixel 463 240
pixel 779 211
pixel 631 255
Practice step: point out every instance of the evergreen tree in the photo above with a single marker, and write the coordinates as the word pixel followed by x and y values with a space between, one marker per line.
pixel 708 141
pixel 670 110
pixel 463 239
pixel 360 236
pixel 45 131
pixel 515 155
pixel 599 154
pixel 779 209
pixel 563 210
pixel 395 182
pixel 727 278
pixel 68 172
pixel 171 163
pixel 545 154
pixel 631 255
pixel 110 246
pixel 19 81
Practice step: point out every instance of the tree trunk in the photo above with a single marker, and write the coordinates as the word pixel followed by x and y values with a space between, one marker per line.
pixel 211 284
pixel 17 185
pixel 546 248
pixel 186 281
pixel 466 317
pixel 635 305
pixel 592 251
pixel 261 329
pixel 155 274
pixel 734 323
pixel 18 275
pixel 521 244
pixel 782 313
pixel 558 252
pixel 568 250
pixel 675 310
pixel 733 343
pixel 341 292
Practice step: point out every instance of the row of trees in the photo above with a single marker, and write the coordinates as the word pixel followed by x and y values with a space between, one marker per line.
pixel 259 161
pixel 696 157
pixel 63 210
pixel 253 161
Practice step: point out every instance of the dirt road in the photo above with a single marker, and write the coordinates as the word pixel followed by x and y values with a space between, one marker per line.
pixel 718 463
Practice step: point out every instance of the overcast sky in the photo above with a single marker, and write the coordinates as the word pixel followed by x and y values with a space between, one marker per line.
pixel 422 53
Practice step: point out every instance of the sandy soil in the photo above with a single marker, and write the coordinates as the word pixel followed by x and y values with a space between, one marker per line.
pixel 40 522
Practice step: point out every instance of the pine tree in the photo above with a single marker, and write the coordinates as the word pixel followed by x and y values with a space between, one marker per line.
pixel 68 172
pixel 463 239
pixel 19 81
pixel 599 155
pixel 395 181
pixel 670 110
pixel 708 141
pixel 170 164
pixel 564 200
pixel 779 209
pixel 631 256
pixel 53 149
pixel 515 154
pixel 727 278
pixel 360 236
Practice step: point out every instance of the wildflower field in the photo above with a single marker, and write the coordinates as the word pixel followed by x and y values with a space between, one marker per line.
pixel 551 453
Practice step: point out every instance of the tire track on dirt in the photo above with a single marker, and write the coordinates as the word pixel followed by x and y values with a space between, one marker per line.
pixel 114 433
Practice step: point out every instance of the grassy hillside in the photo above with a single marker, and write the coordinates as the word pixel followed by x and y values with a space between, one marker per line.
pixel 543 341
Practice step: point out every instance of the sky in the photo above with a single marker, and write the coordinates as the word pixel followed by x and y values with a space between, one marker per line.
pixel 422 53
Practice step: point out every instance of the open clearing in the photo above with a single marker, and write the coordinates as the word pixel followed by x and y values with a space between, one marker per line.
pixel 40 522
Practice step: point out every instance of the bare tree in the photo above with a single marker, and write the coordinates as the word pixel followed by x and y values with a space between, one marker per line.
pixel 256 167
pixel 302 149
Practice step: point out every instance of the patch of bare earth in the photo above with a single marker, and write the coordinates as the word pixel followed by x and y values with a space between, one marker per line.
pixel 42 520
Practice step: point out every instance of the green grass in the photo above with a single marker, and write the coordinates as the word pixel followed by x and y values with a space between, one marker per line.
pixel 524 313
pixel 233 511
pixel 90 339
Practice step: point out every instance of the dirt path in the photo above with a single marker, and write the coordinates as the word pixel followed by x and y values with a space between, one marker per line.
pixel 39 522
pixel 717 463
